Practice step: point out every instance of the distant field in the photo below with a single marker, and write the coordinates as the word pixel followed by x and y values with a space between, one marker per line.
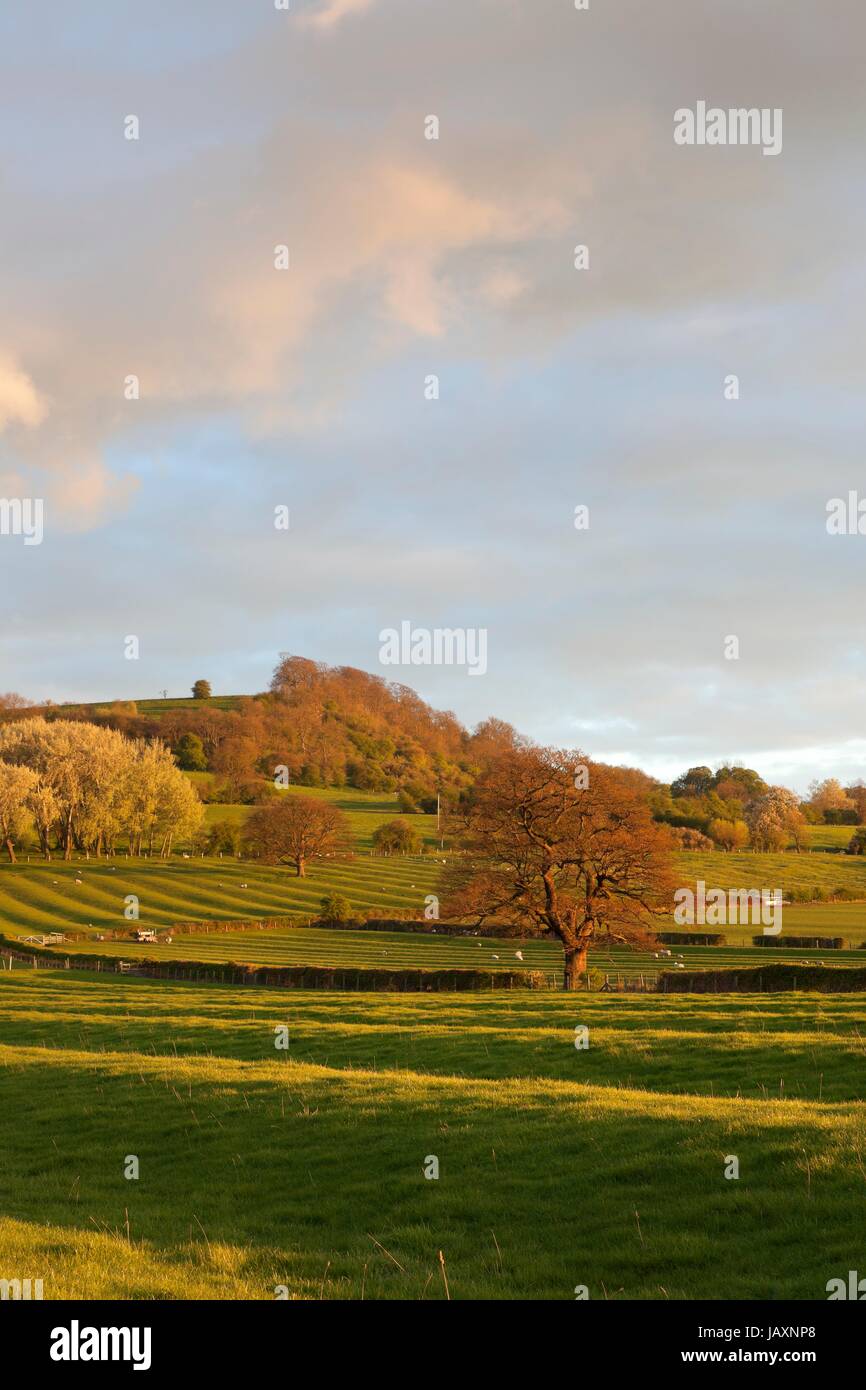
pixel 37 897
pixel 830 837
pixel 304 1168
pixel 789 871
pixel 405 950
pixel 365 811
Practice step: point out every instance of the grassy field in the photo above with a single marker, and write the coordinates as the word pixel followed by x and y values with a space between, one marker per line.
pixel 365 812
pixel 830 837
pixel 793 873
pixel 304 1168
pixel 403 950
pixel 37 898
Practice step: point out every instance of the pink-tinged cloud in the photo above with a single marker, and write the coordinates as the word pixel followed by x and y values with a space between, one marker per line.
pixel 333 12
pixel 20 402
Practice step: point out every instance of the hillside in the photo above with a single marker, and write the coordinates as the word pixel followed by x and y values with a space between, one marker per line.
pixel 317 726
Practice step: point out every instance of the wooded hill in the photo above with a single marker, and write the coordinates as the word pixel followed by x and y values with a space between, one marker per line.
pixel 328 726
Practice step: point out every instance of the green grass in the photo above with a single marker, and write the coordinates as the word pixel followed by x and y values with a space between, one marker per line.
pixel 835 837
pixel 40 897
pixel 37 898
pixel 405 950
pixel 789 871
pixel 557 1166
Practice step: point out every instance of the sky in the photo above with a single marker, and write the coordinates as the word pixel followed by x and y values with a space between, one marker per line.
pixel 308 387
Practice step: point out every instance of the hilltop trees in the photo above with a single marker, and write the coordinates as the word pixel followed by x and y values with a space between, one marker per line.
pixel 735 807
pixel 295 829
pixel 88 786
pixel 548 849
pixel 832 802
pixel 327 726
pixel 774 819
pixel 337 726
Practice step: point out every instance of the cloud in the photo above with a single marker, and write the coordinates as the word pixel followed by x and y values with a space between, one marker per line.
pixel 20 402
pixel 333 12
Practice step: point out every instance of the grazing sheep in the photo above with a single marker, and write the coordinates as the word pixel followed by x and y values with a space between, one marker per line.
pixel 495 957
pixel 519 955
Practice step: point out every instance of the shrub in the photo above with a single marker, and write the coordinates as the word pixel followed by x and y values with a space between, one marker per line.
pixel 335 908
pixel 396 837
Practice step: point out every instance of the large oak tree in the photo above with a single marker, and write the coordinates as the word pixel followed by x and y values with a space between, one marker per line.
pixel 294 829
pixel 557 844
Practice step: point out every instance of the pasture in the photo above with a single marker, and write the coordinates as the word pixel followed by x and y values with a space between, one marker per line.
pixel 39 897
pixel 324 946
pixel 304 1168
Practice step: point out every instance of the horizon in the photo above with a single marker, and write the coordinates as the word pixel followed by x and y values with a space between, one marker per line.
pixel 675 770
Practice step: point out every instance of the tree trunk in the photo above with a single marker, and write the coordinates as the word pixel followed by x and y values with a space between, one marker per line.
pixel 575 966
pixel 10 850
pixel 299 865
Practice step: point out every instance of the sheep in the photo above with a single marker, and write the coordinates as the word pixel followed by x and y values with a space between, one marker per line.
pixel 495 957
pixel 519 955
